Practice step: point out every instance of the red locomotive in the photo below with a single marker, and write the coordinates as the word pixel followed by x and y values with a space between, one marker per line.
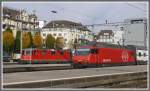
pixel 101 55
pixel 95 55
pixel 45 56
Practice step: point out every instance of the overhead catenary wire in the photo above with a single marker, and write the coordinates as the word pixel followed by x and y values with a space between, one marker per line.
pixel 136 7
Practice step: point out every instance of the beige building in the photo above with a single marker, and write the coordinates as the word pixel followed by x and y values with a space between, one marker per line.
pixel 68 30
pixel 18 20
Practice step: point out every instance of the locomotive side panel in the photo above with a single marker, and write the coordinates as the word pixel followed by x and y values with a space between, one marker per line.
pixel 110 55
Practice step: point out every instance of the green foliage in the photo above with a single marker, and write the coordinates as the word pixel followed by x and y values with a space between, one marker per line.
pixel 59 43
pixel 8 41
pixel 17 40
pixel 31 40
pixel 25 40
pixel 37 40
pixel 50 41
pixel 8 29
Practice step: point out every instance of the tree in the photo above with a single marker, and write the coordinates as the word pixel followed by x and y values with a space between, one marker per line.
pixel 31 39
pixel 59 43
pixel 8 41
pixel 37 40
pixel 50 41
pixel 17 41
pixel 9 30
pixel 25 40
pixel 75 43
pixel 70 44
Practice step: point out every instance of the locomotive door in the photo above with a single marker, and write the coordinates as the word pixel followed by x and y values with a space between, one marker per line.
pixel 94 55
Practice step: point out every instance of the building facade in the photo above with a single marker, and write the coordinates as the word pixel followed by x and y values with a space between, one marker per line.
pixel 18 20
pixel 106 36
pixel 111 34
pixel 41 23
pixel 135 32
pixel 69 30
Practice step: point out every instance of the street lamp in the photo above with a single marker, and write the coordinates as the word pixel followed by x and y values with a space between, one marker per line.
pixel 54 12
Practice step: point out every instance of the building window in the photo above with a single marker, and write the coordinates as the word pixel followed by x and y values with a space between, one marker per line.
pixel 65 39
pixel 34 20
pixel 54 34
pixel 63 25
pixel 17 17
pixel 56 24
pixel 59 34
pixel 144 54
pixel 104 37
pixel 136 21
pixel 106 33
pixel 44 34
pixel 140 54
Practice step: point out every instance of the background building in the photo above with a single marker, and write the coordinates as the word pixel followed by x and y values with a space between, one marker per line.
pixel 69 30
pixel 106 36
pixel 19 20
pixel 135 32
pixel 111 34
pixel 41 23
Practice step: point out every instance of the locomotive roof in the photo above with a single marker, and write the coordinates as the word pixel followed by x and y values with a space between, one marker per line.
pixel 42 49
pixel 106 45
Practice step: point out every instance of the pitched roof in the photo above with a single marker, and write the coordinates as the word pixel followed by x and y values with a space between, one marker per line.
pixel 32 16
pixel 10 13
pixel 102 32
pixel 14 14
pixel 65 24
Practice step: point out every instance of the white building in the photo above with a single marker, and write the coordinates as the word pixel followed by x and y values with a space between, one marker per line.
pixel 18 20
pixel 41 24
pixel 67 29
pixel 111 34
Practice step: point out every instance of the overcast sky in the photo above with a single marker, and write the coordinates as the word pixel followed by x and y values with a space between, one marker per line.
pixel 84 12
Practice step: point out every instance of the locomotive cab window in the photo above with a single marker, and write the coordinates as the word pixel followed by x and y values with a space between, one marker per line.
pixel 94 51
pixel 53 52
pixel 82 52
pixel 62 52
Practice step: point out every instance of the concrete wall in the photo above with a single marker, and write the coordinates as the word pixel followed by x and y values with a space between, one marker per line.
pixel 135 33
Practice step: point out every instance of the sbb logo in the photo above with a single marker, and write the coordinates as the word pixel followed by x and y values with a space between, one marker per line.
pixel 125 56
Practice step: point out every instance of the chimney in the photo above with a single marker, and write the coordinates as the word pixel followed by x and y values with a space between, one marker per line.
pixel 106 21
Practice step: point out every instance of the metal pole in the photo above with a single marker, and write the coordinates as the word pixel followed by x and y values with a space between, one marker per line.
pixel 54 12
pixel 21 43
pixel 145 35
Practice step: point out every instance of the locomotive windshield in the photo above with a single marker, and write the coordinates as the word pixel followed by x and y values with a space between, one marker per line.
pixel 82 52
